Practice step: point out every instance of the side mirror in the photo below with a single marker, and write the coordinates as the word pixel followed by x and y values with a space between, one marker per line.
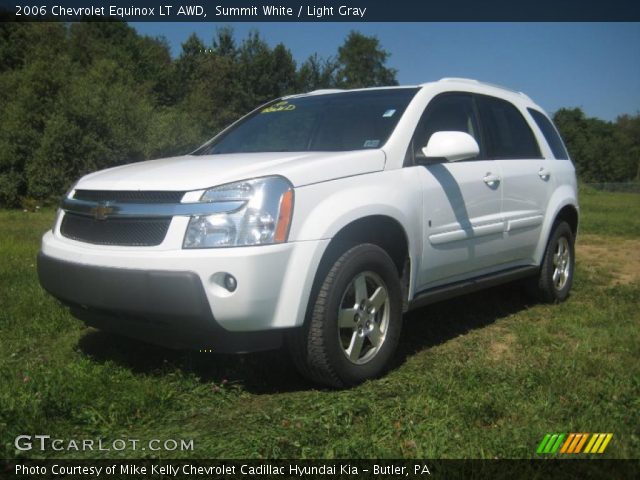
pixel 453 146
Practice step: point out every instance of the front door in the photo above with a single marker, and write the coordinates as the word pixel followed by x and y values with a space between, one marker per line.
pixel 463 225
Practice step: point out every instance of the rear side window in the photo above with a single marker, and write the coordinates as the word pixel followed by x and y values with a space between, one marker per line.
pixel 507 133
pixel 550 134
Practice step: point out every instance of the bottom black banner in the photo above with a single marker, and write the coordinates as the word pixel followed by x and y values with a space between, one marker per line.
pixel 326 469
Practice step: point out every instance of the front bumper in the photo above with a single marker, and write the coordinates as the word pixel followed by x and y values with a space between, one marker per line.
pixel 165 308
pixel 174 297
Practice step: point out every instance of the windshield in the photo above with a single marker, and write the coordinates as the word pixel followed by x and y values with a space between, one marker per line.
pixel 328 122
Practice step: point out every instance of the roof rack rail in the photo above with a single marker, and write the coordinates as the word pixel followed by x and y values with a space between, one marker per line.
pixel 320 91
pixel 458 79
pixel 478 82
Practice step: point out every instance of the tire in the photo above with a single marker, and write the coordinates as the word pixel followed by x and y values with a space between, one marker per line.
pixel 354 320
pixel 556 271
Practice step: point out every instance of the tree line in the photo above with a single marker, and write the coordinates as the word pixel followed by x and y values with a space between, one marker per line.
pixel 601 151
pixel 75 98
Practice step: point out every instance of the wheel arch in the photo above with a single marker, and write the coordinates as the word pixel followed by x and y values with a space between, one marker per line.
pixel 381 230
pixel 569 214
pixel 563 205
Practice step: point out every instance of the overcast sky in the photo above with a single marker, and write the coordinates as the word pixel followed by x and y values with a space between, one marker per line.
pixel 595 66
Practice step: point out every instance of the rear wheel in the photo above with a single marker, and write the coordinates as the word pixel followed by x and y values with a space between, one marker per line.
pixel 354 321
pixel 556 272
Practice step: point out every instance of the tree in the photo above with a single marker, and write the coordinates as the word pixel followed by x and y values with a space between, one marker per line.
pixel 188 64
pixel 316 73
pixel 628 129
pixel 89 41
pixel 29 96
pixel 79 97
pixel 283 71
pixel 22 43
pixel 225 44
pixel 264 73
pixel 362 63
pixel 602 151
pixel 101 120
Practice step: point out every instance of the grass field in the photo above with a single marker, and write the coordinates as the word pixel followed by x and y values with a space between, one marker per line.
pixel 486 376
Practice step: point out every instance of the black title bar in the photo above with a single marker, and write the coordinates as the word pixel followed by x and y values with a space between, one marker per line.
pixel 321 11
pixel 319 469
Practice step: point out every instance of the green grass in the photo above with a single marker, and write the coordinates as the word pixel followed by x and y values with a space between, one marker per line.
pixel 484 376
pixel 609 213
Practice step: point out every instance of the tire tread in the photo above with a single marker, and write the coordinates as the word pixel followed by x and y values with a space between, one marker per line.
pixel 309 351
pixel 307 345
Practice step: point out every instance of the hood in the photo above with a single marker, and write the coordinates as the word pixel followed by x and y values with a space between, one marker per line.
pixel 194 172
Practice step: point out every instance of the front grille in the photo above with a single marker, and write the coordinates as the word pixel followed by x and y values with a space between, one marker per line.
pixel 128 196
pixel 139 232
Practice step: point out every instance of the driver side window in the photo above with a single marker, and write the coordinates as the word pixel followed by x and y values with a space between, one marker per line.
pixel 447 112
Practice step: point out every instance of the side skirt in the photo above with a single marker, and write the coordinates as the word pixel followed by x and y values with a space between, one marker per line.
pixel 445 292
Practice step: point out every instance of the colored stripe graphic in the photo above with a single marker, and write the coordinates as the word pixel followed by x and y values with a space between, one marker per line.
pixel 581 443
pixel 567 443
pixel 606 442
pixel 598 443
pixel 551 443
pixel 591 442
pixel 574 443
pixel 543 443
pixel 558 443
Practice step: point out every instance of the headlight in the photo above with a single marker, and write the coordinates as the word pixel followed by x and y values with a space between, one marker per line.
pixel 264 218
pixel 71 189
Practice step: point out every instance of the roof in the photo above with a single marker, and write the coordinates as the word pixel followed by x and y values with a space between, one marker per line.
pixel 479 83
pixel 452 80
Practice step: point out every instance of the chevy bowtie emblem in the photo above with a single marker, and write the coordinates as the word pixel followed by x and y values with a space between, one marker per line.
pixel 101 211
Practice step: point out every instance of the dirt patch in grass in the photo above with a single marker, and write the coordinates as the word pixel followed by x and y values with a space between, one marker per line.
pixel 500 348
pixel 620 257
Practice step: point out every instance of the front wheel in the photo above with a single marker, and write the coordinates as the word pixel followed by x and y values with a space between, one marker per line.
pixel 354 321
pixel 556 272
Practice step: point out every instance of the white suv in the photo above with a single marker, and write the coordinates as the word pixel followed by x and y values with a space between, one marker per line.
pixel 317 220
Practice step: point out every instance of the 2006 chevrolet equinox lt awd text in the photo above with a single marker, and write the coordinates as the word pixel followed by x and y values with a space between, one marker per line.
pixel 317 220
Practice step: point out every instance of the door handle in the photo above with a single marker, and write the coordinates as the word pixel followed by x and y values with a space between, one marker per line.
pixel 491 179
pixel 544 173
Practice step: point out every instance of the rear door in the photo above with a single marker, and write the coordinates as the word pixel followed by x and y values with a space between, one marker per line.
pixel 462 224
pixel 526 176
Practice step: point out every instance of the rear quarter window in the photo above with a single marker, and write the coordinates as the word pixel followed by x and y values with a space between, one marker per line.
pixel 550 133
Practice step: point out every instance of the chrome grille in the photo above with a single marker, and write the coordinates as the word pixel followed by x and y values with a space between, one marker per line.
pixel 138 232
pixel 129 196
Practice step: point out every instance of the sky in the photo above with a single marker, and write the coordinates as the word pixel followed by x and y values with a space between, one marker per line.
pixel 594 66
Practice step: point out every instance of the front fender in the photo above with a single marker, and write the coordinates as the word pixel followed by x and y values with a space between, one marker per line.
pixel 322 210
